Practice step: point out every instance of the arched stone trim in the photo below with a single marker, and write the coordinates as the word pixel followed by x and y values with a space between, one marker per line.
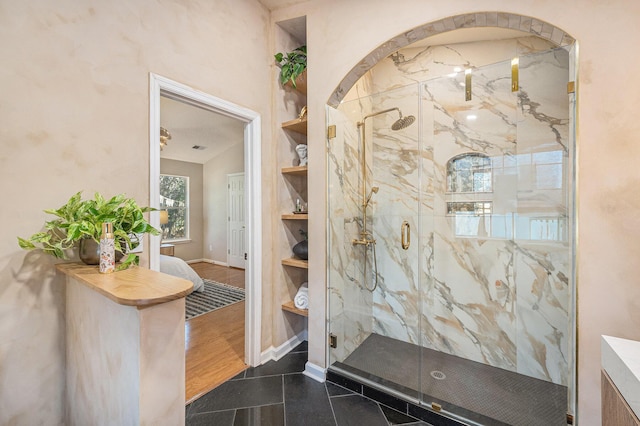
pixel 512 21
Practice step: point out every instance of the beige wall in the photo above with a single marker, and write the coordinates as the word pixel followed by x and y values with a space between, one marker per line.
pixel 191 250
pixel 75 116
pixel 215 198
pixel 341 33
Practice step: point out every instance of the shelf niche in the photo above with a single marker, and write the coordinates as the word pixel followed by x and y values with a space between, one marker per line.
pixel 291 307
pixel 296 263
pixel 295 170
pixel 295 216
pixel 298 125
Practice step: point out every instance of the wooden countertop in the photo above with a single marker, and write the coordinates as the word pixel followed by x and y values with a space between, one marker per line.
pixel 134 286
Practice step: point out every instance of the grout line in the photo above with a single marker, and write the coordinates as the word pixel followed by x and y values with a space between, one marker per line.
pixel 382 412
pixel 239 408
pixel 345 395
pixel 284 403
pixel 342 387
pixel 335 419
pixel 269 375
pixel 257 377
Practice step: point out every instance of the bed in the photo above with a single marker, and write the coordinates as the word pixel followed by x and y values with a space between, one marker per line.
pixel 181 269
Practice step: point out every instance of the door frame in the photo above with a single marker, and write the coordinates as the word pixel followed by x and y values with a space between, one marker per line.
pixel 162 86
pixel 229 215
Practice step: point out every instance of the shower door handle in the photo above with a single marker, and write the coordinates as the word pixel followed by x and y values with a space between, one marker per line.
pixel 405 235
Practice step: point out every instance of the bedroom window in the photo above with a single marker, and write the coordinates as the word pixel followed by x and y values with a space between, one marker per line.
pixel 174 199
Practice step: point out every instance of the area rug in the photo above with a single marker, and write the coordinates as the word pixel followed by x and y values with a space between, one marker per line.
pixel 215 296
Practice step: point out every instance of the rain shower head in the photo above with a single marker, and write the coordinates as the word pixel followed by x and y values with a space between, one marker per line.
pixel 403 122
pixel 399 124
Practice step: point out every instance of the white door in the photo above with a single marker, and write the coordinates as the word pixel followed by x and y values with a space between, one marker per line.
pixel 236 255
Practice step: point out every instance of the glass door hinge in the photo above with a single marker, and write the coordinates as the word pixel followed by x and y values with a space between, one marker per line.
pixel 333 341
pixel 331 131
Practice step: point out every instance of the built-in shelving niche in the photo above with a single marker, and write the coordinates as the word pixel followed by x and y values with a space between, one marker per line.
pixel 291 34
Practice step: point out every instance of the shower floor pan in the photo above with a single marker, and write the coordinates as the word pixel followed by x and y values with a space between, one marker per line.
pixel 475 391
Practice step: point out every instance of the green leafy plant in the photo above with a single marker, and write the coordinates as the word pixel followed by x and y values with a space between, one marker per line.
pixel 78 219
pixel 292 64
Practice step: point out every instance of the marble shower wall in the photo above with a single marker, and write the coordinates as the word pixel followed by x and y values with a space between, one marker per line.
pixel 493 285
pixel 350 303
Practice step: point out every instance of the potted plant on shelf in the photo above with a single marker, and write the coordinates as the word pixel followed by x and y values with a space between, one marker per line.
pixel 292 65
pixel 79 223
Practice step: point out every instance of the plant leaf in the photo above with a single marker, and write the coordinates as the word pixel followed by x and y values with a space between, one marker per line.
pixel 25 244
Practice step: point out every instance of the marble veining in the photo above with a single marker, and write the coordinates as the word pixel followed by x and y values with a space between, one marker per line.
pixel 526 24
pixel 495 287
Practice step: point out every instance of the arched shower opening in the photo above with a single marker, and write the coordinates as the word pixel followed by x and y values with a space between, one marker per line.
pixel 453 286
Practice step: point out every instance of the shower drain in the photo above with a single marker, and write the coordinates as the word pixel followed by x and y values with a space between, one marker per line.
pixel 438 375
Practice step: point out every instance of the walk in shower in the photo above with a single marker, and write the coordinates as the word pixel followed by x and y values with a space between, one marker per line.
pixel 451 239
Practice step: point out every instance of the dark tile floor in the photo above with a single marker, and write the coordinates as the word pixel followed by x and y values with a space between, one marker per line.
pixel 468 388
pixel 277 393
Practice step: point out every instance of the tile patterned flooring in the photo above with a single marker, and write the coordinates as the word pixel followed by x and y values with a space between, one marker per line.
pixel 277 393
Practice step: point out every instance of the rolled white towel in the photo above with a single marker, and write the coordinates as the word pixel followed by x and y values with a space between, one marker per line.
pixel 302 297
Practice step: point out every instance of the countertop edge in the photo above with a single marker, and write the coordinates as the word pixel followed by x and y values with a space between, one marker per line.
pixel 135 286
pixel 621 360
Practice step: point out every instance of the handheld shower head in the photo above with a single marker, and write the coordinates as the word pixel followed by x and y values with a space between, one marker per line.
pixel 374 190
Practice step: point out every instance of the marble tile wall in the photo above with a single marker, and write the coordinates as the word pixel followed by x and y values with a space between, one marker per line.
pixel 493 289
pixel 350 303
pixel 542 30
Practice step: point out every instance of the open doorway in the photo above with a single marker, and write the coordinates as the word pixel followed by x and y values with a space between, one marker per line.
pixel 197 142
pixel 200 151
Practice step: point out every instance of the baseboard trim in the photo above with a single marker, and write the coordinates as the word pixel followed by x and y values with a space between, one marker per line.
pixel 274 354
pixel 315 372
pixel 214 262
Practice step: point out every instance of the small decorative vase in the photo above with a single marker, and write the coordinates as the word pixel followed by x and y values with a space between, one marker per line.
pixel 302 250
pixel 89 252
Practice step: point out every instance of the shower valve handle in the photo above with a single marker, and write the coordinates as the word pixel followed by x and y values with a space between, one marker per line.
pixel 364 242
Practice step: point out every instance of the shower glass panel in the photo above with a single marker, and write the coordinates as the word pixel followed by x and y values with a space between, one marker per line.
pixel 471 209
pixel 374 288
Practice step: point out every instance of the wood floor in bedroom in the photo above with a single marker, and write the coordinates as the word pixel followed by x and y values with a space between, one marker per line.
pixel 215 341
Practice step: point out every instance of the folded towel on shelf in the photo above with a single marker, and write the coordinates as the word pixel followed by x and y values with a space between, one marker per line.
pixel 302 297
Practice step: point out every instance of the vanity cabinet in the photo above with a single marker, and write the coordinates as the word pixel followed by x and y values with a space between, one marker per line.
pixel 620 381
pixel 615 410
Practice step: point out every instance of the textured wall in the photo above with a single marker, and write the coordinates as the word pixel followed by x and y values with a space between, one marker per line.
pixel 216 204
pixel 75 116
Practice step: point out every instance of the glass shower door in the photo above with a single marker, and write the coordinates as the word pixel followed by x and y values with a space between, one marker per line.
pixel 374 285
pixel 350 304
pixel 496 286
pixel 464 301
